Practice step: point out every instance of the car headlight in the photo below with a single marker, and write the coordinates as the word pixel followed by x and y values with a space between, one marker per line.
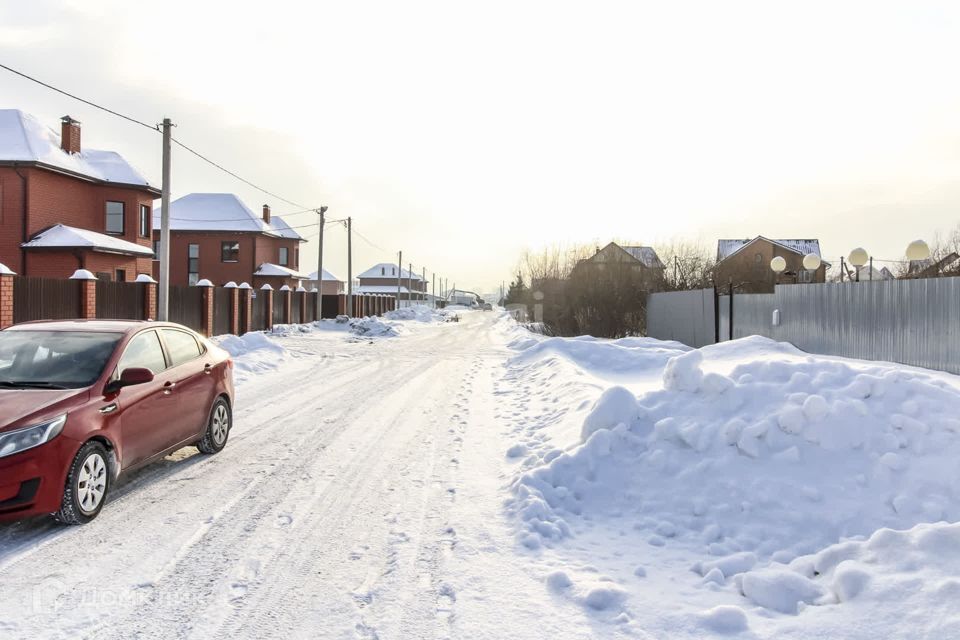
pixel 22 439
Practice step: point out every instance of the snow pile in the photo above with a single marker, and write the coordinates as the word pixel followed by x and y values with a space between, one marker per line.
pixel 419 313
pixel 755 470
pixel 373 327
pixel 252 353
pixel 600 357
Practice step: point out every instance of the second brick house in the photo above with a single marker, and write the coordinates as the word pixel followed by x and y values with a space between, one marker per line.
pixel 64 207
pixel 215 236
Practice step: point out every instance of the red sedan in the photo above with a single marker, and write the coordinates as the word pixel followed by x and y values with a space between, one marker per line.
pixel 82 401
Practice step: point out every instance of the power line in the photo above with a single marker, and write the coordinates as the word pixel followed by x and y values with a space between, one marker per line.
pixel 70 95
pixel 231 173
pixel 155 128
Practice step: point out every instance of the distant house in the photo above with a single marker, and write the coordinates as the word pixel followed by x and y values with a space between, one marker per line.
pixel 382 279
pixel 638 260
pixel 948 265
pixel 331 284
pixel 217 237
pixel 746 263
pixel 64 207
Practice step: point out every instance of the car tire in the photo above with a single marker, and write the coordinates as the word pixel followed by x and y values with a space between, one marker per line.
pixel 218 428
pixel 88 482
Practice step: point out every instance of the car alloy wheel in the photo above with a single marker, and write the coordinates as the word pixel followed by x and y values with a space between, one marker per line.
pixel 220 424
pixel 91 484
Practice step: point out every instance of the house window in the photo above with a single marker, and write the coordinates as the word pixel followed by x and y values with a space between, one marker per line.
pixel 144 221
pixel 229 251
pixel 805 275
pixel 121 275
pixel 156 249
pixel 193 264
pixel 296 257
pixel 758 258
pixel 383 271
pixel 114 217
pixel 283 257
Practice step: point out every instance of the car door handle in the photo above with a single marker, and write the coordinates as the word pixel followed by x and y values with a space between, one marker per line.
pixel 110 408
pixel 168 387
pixel 208 368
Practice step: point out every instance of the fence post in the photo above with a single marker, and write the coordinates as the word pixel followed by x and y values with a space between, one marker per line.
pixel 267 291
pixel 234 326
pixel 341 304
pixel 245 306
pixel 207 320
pixel 6 296
pixel 88 293
pixel 287 303
pixel 149 295
pixel 302 294
pixel 731 313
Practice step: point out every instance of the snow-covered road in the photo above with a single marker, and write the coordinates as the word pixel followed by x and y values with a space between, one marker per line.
pixel 358 497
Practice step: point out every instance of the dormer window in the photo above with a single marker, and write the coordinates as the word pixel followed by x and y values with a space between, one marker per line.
pixel 383 271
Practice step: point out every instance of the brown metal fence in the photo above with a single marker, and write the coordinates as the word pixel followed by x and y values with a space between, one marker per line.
pixel 279 298
pixel 330 306
pixel 295 306
pixel 186 306
pixel 45 299
pixel 222 310
pixel 120 300
pixel 258 312
pixel 311 306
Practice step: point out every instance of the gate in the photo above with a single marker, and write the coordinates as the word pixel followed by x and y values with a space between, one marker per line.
pixel 258 313
pixel 186 307
pixel 120 300
pixel 222 311
pixel 294 307
pixel 45 299
pixel 279 298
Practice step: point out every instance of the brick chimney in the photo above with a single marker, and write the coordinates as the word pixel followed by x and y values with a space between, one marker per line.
pixel 70 134
pixel 266 213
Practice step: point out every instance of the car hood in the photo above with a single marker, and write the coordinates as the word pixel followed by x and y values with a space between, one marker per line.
pixel 23 407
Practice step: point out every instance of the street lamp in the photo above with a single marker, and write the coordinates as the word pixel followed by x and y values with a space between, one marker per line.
pixel 778 265
pixel 858 258
pixel 918 250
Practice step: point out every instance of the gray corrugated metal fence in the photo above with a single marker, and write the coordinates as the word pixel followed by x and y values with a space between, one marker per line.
pixel 915 322
pixel 684 316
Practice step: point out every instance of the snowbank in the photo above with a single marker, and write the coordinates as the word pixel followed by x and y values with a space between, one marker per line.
pixel 756 476
pixel 599 357
pixel 252 353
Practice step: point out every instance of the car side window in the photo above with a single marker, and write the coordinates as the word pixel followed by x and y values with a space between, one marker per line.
pixel 181 345
pixel 144 351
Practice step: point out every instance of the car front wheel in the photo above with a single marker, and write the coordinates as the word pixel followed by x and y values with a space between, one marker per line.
pixel 87 483
pixel 218 428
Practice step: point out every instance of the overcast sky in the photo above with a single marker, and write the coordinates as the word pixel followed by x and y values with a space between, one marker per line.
pixel 462 133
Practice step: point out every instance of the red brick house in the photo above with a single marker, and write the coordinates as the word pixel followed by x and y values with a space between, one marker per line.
pixel 215 236
pixel 64 207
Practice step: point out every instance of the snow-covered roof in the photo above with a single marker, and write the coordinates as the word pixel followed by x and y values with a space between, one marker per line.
pixel 221 212
pixel 726 248
pixel 379 288
pixel 268 269
pixel 23 138
pixel 61 236
pixel 646 255
pixel 326 276
pixel 388 270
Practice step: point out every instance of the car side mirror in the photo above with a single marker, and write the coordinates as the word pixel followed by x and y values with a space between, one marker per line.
pixel 130 377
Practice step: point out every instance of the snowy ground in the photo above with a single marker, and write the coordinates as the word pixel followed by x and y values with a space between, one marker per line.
pixel 412 478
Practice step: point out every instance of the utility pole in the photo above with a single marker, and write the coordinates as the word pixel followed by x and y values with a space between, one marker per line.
pixel 323 220
pixel 433 287
pixel 423 295
pixel 399 275
pixel 163 295
pixel 410 281
pixel 350 267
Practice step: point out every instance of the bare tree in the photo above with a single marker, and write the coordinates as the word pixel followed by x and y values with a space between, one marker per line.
pixel 688 264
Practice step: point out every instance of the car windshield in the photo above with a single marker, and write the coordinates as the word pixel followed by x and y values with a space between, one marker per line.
pixel 53 359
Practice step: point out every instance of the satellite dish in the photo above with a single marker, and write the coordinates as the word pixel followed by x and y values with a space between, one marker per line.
pixel 859 257
pixel 778 264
